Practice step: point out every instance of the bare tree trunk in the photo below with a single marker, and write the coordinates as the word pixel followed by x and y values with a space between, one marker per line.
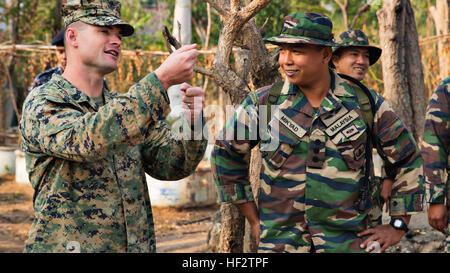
pixel 182 31
pixel 232 229
pixel 255 169
pixel 9 101
pixel 233 222
pixel 263 70
pixel 404 86
pixel 441 17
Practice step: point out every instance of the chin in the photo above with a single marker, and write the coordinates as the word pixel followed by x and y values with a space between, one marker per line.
pixel 109 69
pixel 359 77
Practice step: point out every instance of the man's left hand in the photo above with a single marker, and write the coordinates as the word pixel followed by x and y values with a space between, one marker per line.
pixel 386 235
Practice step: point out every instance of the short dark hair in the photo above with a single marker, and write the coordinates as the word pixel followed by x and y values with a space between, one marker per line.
pixel 58 40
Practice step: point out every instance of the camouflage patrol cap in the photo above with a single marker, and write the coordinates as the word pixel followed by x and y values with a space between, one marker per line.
pixel 356 38
pixel 305 28
pixel 95 12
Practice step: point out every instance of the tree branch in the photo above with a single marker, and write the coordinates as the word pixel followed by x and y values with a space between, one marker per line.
pixel 261 29
pixel 208 27
pixel 235 5
pixel 218 8
pixel 433 12
pixel 343 7
pixel 198 29
pixel 204 71
pixel 253 8
pixel 172 41
pixel 360 11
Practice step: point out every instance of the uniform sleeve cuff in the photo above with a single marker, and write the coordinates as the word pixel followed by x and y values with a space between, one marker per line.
pixel 237 193
pixel 436 198
pixel 156 83
pixel 405 204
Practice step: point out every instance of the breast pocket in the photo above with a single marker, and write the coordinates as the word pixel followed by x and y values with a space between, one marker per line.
pixel 350 142
pixel 282 136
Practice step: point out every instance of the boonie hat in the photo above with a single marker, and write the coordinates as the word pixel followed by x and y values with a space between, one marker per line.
pixel 305 28
pixel 95 12
pixel 356 38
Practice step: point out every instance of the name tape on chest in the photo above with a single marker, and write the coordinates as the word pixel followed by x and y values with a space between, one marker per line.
pixel 290 124
pixel 341 123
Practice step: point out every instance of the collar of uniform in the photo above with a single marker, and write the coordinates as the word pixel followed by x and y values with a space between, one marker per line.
pixel 338 89
pixel 341 87
pixel 289 88
pixel 75 94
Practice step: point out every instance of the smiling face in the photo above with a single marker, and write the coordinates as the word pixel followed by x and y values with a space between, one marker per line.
pixel 99 47
pixel 303 64
pixel 352 61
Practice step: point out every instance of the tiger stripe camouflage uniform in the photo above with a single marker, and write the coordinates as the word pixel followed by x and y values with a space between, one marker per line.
pixel 313 162
pixel 87 165
pixel 311 180
pixel 357 38
pixel 436 150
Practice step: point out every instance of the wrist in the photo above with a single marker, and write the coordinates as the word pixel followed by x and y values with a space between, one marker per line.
pixel 162 78
pixel 399 223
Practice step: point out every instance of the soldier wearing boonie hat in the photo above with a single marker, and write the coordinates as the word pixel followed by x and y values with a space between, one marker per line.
pixel 88 150
pixel 353 58
pixel 354 40
pixel 313 146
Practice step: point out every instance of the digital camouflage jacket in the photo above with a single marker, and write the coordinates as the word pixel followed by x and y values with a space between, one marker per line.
pixel 87 165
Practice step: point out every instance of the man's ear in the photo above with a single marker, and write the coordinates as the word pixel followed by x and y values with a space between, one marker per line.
pixel 71 37
pixel 327 54
pixel 335 59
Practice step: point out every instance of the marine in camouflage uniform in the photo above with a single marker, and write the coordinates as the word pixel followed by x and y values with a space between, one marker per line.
pixel 313 160
pixel 87 159
pixel 436 156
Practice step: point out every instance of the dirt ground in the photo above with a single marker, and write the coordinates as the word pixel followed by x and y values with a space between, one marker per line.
pixel 177 230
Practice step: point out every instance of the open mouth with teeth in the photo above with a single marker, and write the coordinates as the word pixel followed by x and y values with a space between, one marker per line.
pixel 112 52
pixel 360 69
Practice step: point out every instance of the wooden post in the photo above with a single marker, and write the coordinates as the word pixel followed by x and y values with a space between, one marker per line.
pixel 441 18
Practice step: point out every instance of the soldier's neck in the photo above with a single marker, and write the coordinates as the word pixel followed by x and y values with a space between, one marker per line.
pixel 90 84
pixel 316 91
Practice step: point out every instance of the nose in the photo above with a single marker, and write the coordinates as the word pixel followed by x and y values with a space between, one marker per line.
pixel 285 57
pixel 115 39
pixel 362 59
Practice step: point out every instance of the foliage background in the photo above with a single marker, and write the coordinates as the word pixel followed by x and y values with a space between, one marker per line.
pixel 34 22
